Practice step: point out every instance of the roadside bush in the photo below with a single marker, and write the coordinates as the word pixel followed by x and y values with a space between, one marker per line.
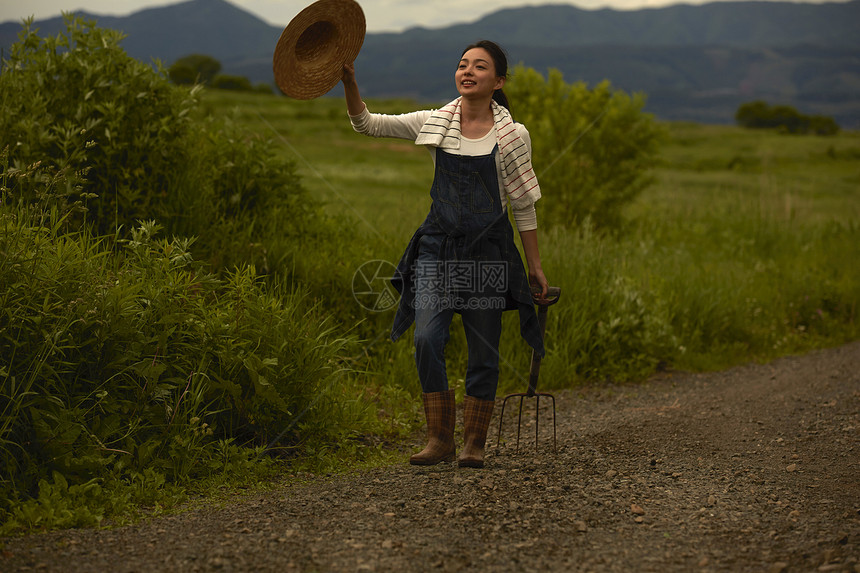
pixel 237 196
pixel 112 125
pixel 121 358
pixel 132 146
pixel 592 148
pixel 130 364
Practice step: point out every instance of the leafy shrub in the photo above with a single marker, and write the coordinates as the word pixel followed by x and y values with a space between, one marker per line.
pixel 592 148
pixel 123 352
pixel 237 196
pixel 132 146
pixel 128 367
pixel 118 362
pixel 112 125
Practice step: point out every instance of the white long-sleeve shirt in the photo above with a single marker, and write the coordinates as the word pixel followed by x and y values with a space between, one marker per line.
pixel 408 125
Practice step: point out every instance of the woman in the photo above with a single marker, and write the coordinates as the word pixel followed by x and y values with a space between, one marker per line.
pixel 463 258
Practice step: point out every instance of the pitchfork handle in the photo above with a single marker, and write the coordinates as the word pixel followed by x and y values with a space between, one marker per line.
pixel 552 296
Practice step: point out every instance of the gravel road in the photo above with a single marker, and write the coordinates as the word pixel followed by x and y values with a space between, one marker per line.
pixel 752 469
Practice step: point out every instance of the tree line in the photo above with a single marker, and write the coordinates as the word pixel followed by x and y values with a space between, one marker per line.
pixel 202 69
pixel 759 115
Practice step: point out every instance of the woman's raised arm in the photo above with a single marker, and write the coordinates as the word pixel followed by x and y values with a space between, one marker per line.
pixel 354 104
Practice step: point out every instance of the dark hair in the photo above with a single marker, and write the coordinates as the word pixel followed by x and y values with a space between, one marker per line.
pixel 500 61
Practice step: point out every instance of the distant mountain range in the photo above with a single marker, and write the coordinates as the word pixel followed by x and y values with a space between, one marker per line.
pixel 695 63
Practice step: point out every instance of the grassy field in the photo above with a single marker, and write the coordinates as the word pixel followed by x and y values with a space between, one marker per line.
pixel 812 178
pixel 741 251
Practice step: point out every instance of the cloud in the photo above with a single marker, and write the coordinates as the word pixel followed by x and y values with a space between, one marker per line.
pixel 381 15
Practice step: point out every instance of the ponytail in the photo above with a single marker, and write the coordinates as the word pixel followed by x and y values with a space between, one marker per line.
pixel 500 98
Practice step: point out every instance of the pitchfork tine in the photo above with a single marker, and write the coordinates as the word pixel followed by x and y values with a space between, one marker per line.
pixel 519 423
pixel 553 295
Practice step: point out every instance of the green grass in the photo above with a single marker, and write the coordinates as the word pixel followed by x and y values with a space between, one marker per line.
pixel 381 182
pixel 813 179
pixel 386 181
pixel 737 253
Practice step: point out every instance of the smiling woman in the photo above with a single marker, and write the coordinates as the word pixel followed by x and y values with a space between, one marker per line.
pixel 462 259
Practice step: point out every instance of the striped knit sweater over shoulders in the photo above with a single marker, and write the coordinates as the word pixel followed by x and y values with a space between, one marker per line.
pixel 441 129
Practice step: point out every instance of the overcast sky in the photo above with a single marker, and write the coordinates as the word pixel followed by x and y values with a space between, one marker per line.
pixel 382 15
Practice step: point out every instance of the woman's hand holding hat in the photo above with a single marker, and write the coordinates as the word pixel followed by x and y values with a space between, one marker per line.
pixel 309 57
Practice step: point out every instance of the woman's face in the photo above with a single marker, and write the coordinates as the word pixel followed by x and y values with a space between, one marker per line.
pixel 476 74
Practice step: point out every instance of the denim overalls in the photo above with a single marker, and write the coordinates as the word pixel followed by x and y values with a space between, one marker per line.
pixel 463 259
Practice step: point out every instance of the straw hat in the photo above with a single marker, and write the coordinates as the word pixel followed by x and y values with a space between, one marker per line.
pixel 309 57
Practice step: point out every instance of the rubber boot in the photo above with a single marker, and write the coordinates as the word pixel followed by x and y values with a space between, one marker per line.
pixel 476 421
pixel 439 409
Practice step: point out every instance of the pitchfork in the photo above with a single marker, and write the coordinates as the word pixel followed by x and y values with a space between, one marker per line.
pixel 553 295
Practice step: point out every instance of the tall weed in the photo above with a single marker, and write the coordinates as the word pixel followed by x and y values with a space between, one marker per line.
pixel 119 362
pixel 695 294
